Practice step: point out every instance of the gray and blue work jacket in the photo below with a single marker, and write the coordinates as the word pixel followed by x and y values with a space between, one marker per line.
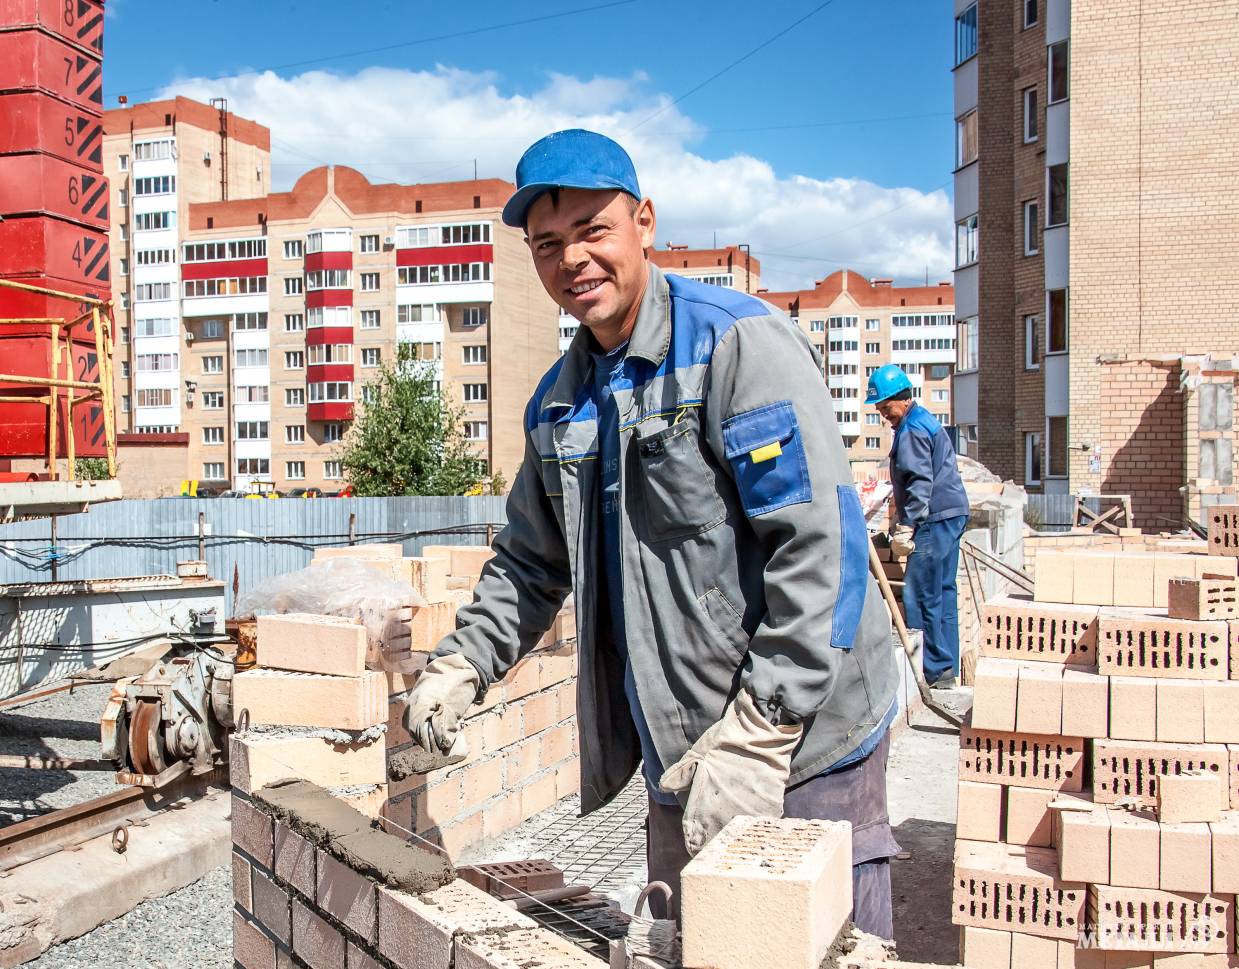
pixel 744 551
pixel 925 481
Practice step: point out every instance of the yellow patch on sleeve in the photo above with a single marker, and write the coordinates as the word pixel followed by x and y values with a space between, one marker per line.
pixel 766 453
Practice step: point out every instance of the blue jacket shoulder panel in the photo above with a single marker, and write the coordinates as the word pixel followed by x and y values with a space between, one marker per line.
pixel 701 315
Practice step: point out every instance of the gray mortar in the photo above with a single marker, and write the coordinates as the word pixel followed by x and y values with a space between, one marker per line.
pixel 353 838
pixel 356 790
pixel 414 760
pixel 335 736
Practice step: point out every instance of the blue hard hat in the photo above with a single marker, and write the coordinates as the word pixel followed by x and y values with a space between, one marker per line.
pixel 574 158
pixel 886 382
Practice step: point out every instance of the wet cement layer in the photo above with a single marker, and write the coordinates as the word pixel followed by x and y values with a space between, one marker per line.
pixel 414 760
pixel 353 838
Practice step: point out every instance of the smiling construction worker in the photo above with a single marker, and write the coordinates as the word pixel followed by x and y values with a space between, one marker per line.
pixel 685 478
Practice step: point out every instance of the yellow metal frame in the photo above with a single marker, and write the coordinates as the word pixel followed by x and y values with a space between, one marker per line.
pixel 100 314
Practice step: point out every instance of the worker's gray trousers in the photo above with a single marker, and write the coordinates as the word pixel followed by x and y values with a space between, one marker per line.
pixel 856 794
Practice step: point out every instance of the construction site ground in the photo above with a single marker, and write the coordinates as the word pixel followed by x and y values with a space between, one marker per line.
pixel 192 927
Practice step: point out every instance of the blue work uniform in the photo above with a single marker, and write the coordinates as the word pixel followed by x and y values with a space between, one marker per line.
pixel 929 495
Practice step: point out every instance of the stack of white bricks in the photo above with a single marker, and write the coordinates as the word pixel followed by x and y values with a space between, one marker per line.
pixel 1098 819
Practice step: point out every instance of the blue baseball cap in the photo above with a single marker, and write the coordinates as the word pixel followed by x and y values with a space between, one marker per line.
pixel 574 158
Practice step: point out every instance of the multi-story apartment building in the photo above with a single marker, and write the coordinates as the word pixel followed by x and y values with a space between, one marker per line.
pixel 1091 163
pixel 282 306
pixel 857 325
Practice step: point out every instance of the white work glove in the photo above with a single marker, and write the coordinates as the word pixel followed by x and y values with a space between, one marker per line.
pixel 739 766
pixel 445 690
pixel 901 541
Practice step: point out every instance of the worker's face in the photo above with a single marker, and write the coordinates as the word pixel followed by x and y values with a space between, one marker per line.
pixel 589 250
pixel 893 411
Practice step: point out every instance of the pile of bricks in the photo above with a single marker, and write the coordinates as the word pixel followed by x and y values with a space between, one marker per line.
pixel 1098 810
pixel 315 712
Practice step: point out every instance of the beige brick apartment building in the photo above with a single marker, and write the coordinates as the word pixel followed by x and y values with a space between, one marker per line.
pixel 1097 207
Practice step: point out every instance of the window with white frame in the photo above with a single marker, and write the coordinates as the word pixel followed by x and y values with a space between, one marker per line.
pixel 333 470
pixel 873 420
pixel 151 221
pixel 841 322
pixel 1030 13
pixel 369 393
pixel 254 466
pixel 152 150
pixel 873 443
pixel 371 356
pixel 329 240
pixel 1058 191
pixel 294 470
pixel 967 346
pixel 213 471
pixel 1032 121
pixel 253 430
pixel 1056 321
pixel 292 286
pixel 124 369
pixel 316 316
pixel 966 240
pixel 124 232
pixel 253 393
pixel 844 346
pixel 231 249
pixel 155 326
pixel 154 185
pixel 333 431
pixel 294 397
pixel 293 249
pixel 125 403
pixel 318 354
pixel 966 143
pixel 147 292
pixel 966 35
pixel 939 371
pixel 414 313
pixel 294 359
pixel 122 163
pixel 872 326
pixel 817 326
pixel 124 301
pixel 460 272
pixel 1059 72
pixel 213 364
pixel 872 348
pixel 462 234
pixel 231 286
pixel 249 357
pixel 124 334
pixel 967 440
pixel 842 369
pixel 475 430
pixel 249 321
pixel 294 322
pixel 333 391
pixel 370 319
pixel 940 395
pixel 369 243
pixel 122 197
pixel 294 433
pixel 329 279
pixel 212 400
pixel 369 282
pixel 474 353
pixel 847 417
pixel 475 316
pixel 154 257
pixel 156 397
pixel 212 329
pixel 474 393
pixel 1032 342
pixel 156 362
pixel 1031 241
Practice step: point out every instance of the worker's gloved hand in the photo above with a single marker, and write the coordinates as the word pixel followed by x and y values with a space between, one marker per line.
pixel 901 541
pixel 445 690
pixel 739 766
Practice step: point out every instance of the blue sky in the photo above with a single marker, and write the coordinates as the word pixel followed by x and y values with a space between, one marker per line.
pixel 851 164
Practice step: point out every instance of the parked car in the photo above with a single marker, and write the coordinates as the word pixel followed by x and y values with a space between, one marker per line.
pixel 305 492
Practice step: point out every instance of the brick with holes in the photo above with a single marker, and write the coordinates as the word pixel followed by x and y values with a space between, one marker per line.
pixel 1212 596
pixel 791 879
pixel 1021 629
pixel 1001 886
pixel 1027 760
pixel 1146 919
pixel 1223 526
pixel 1130 770
pixel 1132 643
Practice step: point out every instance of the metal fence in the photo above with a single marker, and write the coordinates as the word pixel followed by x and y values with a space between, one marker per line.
pixel 243 540
pixel 1050 513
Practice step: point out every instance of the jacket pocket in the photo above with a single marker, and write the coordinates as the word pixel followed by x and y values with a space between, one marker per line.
pixel 767 456
pixel 723 616
pixel 678 493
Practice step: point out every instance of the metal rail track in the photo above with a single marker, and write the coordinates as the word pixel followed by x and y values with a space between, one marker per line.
pixel 115 812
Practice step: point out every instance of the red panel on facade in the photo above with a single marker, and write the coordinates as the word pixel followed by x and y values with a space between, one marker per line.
pixel 224 269
pixel 40 122
pixel 445 255
pixel 77 21
pixel 37 244
pixel 31 60
pixel 328 260
pixel 318 373
pixel 335 410
pixel 39 184
pixel 318 336
pixel 329 297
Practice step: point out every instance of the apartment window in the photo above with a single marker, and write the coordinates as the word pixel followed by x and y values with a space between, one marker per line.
pixel 1030 13
pixel 124 232
pixel 124 334
pixel 213 471
pixel 939 371
pixel 966 241
pixel 122 197
pixel 844 346
pixel 1058 190
pixel 370 243
pixel 427 351
pixel 212 400
pixel 1056 447
pixel 475 316
pixel 250 357
pixel 967 438
pixel 294 322
pixel 122 163
pixel 212 435
pixel 154 185
pixel 966 140
pixel 370 319
pixel 154 257
pixel 294 470
pixel 253 393
pixel 817 326
pixel 1032 120
pixel 228 249
pixel 213 364
pixel 249 321
pixel 329 316
pixel 340 390
pixel 475 393
pixel 465 272
pixel 369 393
pixel 371 356
pixel 847 417
pixel 294 397
pixel 1032 458
pixel 124 404
pixel 254 466
pixel 152 150
pixel 1032 343
pixel 369 282
pixel 873 443
pixel 150 221
pixel 873 420
pixel 292 286
pixel 967 348
pixel 156 326
pixel 294 434
pixel 154 362
pixel 475 430
pixel 1056 321
pixel 293 248
pixel 252 430
pixel 231 286
pixel 873 348
pixel 872 326
pixel 474 353
pixel 1030 228
pixel 294 359
pixel 146 292
pixel 333 432
pixel 124 266
pixel 329 279
pixel 212 329
pixel 124 369
pixel 155 397
pixel 329 353
pixel 1059 72
pixel 333 470
pixel 966 35
pixel 940 395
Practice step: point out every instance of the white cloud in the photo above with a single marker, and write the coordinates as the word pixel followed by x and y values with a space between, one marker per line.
pixel 428 125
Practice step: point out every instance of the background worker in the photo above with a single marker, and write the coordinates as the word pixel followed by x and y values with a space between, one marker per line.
pixel 931 513
pixel 683 477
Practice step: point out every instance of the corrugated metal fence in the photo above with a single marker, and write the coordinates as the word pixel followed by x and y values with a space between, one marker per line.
pixel 245 539
pixel 1051 513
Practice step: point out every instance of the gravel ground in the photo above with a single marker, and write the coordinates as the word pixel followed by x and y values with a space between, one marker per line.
pixel 66 724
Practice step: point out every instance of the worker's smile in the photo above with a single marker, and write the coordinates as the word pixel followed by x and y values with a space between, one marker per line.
pixel 585 291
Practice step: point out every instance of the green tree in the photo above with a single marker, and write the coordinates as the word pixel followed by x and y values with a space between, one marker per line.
pixel 91 469
pixel 408 439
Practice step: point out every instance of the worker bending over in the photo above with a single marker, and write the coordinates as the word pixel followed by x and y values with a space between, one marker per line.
pixel 685 479
pixel 931 512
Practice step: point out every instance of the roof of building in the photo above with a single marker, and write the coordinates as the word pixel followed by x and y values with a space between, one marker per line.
pixel 681 257
pixel 181 110
pixel 356 193
pixel 863 291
